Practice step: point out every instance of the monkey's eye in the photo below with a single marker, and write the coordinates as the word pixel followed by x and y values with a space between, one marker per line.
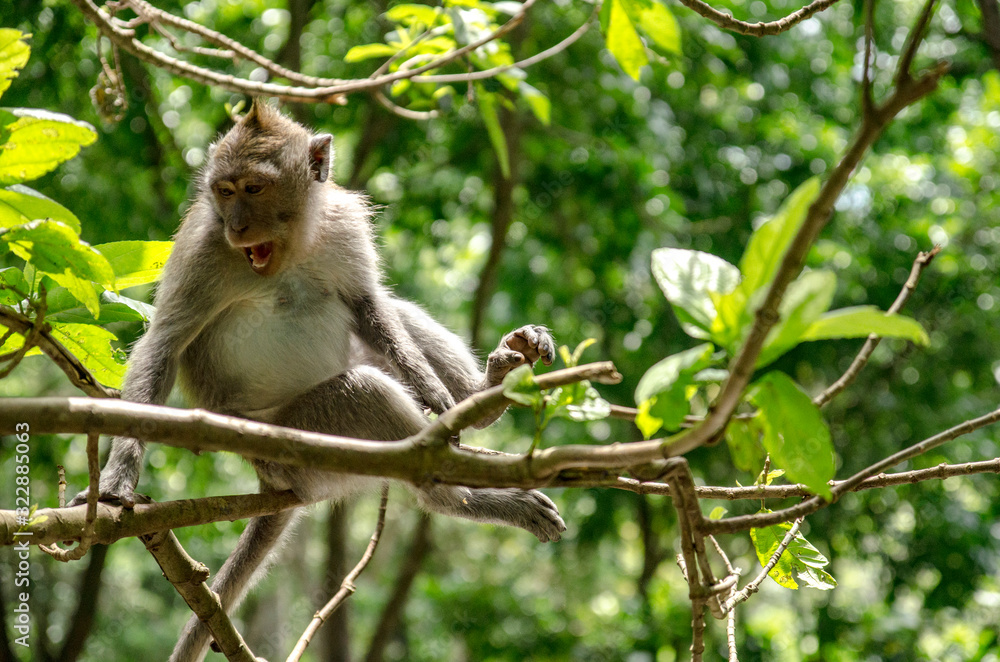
pixel 225 191
pixel 254 188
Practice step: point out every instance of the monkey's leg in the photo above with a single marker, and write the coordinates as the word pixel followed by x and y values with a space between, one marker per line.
pixel 366 403
pixel 233 579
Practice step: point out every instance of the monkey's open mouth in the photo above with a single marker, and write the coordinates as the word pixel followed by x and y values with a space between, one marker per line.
pixel 259 255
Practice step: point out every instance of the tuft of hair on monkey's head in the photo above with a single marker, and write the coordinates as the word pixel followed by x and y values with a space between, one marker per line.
pixel 260 177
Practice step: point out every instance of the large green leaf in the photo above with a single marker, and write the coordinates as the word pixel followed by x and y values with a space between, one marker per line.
pixel 580 402
pixel 37 141
pixel 488 109
pixel 64 307
pixel 54 249
pixel 688 279
pixel 657 22
pixel 92 345
pixel 800 556
pixel 743 440
pixel 20 204
pixel 136 262
pixel 662 392
pixel 622 39
pixel 14 53
pixel 808 297
pixel 861 321
pixel 408 14
pixel 769 242
pixel 795 434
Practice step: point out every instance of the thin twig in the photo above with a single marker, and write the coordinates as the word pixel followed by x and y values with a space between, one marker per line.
pixel 522 64
pixel 754 585
pixel 347 587
pixel 812 504
pixel 727 22
pixel 87 537
pixel 859 362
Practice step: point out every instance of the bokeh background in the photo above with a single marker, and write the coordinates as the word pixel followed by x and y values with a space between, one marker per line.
pixel 692 155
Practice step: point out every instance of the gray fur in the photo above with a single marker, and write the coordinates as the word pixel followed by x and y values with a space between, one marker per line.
pixel 272 307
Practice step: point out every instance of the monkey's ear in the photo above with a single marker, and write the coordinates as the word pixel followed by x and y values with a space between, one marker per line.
pixel 321 156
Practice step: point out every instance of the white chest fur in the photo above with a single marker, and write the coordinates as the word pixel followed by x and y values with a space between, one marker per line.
pixel 290 334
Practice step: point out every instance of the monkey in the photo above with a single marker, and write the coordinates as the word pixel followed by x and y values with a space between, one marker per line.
pixel 272 307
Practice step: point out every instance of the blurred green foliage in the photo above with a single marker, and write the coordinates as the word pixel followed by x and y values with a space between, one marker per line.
pixel 694 154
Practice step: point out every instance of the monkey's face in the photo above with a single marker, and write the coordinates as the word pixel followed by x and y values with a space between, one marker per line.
pixel 257 221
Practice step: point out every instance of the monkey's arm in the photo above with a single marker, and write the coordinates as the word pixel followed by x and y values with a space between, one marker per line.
pixel 380 326
pixel 188 297
pixel 455 364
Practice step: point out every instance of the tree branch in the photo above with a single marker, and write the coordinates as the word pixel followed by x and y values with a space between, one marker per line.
pixel 727 22
pixel 859 362
pixel 188 577
pixel 347 587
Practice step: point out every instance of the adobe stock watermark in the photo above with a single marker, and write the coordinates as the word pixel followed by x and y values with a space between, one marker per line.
pixel 22 511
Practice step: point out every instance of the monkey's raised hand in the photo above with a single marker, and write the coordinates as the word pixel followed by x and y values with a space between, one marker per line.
pixel 529 344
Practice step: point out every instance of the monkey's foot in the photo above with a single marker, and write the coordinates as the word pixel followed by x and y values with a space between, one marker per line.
pixel 529 344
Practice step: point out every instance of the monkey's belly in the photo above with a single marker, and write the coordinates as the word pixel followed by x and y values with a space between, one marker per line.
pixel 259 355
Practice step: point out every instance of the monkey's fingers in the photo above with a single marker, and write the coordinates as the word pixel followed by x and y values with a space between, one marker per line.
pixel 123 497
pixel 534 342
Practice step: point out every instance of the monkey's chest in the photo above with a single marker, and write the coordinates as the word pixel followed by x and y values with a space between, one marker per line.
pixel 261 352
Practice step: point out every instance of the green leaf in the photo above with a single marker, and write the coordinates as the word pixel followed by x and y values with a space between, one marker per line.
pixel 20 204
pixel 38 141
pixel 581 402
pixel 14 53
pixel 12 279
pixel 519 385
pixel 580 349
pixel 63 307
pixel 16 342
pixel 538 102
pixel 808 297
pixel 92 345
pixel 369 51
pixel 687 279
pixel 136 262
pixel 408 14
pixel 622 39
pixel 769 242
pixel 799 557
pixel 743 440
pixel 657 22
pixel 487 108
pixel 54 249
pixel 662 392
pixel 795 434
pixel 860 321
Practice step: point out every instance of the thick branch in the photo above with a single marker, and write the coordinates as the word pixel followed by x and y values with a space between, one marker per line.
pixel 188 577
pixel 907 91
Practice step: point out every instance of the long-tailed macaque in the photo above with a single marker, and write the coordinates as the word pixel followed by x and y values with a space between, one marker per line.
pixel 272 308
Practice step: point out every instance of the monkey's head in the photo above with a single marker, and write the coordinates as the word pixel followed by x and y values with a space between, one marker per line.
pixel 259 177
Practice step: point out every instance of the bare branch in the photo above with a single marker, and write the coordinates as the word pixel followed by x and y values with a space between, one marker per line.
pixel 87 537
pixel 727 22
pixel 50 525
pixel 812 504
pixel 188 577
pixel 859 362
pixel 347 587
